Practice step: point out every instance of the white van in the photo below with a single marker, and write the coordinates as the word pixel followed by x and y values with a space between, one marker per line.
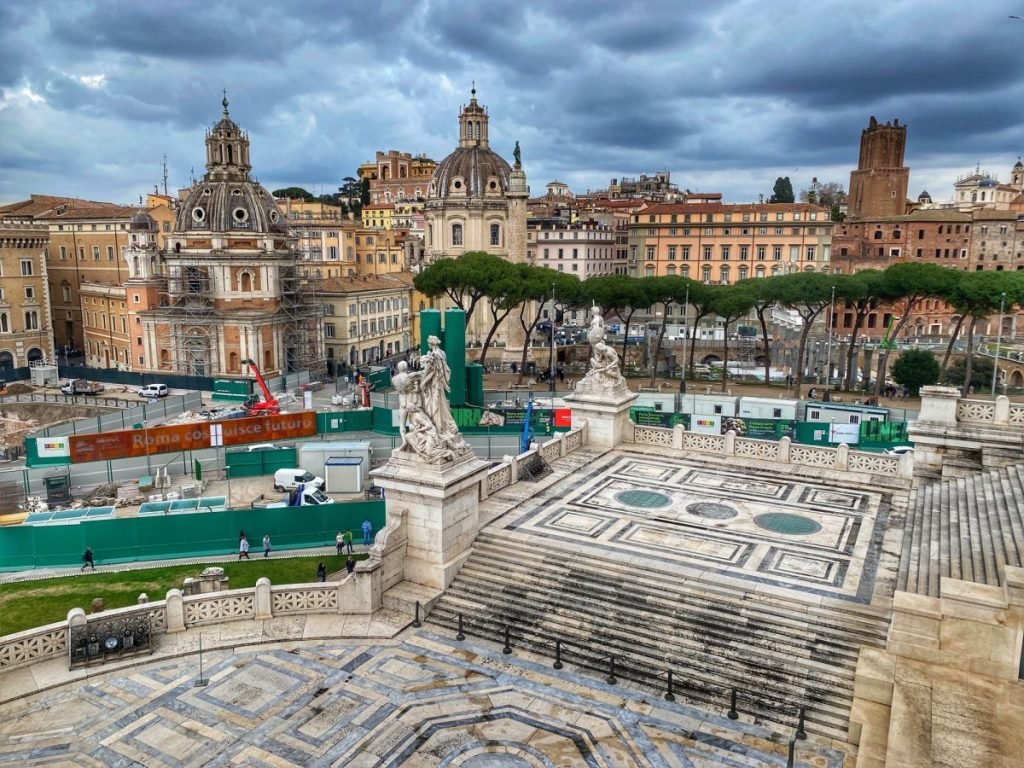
pixel 287 479
pixel 153 390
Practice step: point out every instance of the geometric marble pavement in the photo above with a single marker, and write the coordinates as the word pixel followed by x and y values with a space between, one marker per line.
pixel 762 526
pixel 423 700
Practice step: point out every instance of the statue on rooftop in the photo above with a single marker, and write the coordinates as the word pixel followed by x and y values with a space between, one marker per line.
pixel 518 155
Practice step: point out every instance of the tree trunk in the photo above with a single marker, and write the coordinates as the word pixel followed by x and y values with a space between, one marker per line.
pixel 851 353
pixel 969 364
pixel 767 346
pixel 490 334
pixel 725 354
pixel 883 357
pixel 657 346
pixel 528 329
pixel 625 335
pixel 798 381
pixel 949 347
pixel 693 340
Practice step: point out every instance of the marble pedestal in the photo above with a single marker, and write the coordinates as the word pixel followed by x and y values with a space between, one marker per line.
pixel 442 512
pixel 607 416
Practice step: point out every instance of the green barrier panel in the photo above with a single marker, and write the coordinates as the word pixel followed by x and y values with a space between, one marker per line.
pixel 243 464
pixel 283 458
pixel 430 325
pixel 184 535
pixel 383 421
pixel 344 421
pixel 455 349
pixel 474 384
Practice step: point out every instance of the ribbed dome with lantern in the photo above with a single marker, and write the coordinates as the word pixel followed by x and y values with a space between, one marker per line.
pixel 227 199
pixel 473 170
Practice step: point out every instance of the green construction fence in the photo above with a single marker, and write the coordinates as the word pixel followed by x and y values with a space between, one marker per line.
pixel 183 535
pixel 257 463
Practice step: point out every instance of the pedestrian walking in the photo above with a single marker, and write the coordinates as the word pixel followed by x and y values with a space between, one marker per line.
pixel 266 545
pixel 338 542
pixel 367 532
pixel 243 548
pixel 87 559
pixel 350 564
pixel 347 541
pixel 321 572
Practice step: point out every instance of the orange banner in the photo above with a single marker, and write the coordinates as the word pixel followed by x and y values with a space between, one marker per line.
pixel 190 437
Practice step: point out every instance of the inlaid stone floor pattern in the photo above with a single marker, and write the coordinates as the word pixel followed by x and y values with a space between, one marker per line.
pixel 423 701
pixel 800 535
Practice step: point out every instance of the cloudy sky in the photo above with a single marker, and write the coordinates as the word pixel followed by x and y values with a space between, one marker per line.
pixel 726 95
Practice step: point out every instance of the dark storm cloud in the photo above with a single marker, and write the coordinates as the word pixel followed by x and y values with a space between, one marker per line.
pixel 94 92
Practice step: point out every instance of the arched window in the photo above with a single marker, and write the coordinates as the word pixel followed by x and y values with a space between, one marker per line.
pixel 878 234
pixel 245 281
pixel 671 269
pixel 456 234
pixel 233 362
pixel 723 274
pixel 495 234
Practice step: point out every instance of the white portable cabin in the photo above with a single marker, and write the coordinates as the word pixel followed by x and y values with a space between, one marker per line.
pixel 313 456
pixel 344 474
pixel 768 408
pixel 710 405
pixel 841 413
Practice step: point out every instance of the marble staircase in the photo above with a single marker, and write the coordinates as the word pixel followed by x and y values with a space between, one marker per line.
pixel 781 649
pixel 965 528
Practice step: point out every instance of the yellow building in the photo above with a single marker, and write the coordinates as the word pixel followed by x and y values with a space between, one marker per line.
pixel 105 326
pixel 721 243
pixel 26 334
pixel 367 317
pixel 86 239
pixel 378 215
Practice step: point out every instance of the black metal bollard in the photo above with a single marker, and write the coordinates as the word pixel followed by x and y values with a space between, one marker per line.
pixel 611 671
pixel 791 758
pixel 508 648
pixel 669 695
pixel 800 733
pixel 732 713
pixel 416 621
pixel 460 636
pixel 558 655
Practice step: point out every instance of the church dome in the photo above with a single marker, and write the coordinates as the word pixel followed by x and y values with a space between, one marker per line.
pixel 227 199
pixel 473 170
pixel 142 222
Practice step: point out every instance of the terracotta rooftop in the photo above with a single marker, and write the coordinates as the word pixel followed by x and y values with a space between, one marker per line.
pixel 388 281
pixel 51 207
pixel 732 207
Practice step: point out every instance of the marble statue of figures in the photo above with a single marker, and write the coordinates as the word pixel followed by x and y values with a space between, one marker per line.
pixel 407 386
pixel 596 332
pixel 422 438
pixel 435 378
pixel 604 378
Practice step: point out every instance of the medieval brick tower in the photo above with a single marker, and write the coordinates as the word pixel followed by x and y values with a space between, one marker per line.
pixel 879 185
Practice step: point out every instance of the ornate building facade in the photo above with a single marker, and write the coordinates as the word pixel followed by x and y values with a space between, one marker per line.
pixel 25 332
pixel 234 287
pixel 476 201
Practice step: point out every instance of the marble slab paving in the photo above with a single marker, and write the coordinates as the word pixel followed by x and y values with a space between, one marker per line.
pixel 419 700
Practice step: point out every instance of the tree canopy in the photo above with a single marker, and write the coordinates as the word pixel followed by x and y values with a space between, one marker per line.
pixel 916 368
pixel 782 192
pixel 293 193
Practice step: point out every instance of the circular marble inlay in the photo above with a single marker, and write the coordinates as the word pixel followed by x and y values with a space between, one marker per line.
pixel 782 522
pixel 643 499
pixel 496 761
pixel 712 510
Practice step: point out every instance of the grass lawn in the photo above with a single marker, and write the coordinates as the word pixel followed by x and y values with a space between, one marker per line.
pixel 29 604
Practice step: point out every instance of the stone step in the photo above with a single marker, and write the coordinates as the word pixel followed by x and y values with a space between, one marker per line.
pixel 792 621
pixel 402 598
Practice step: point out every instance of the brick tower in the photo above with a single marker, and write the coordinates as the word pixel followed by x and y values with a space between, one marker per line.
pixel 879 185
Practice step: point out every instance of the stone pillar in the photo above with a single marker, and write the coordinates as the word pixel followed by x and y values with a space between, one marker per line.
pixel 938 405
pixel 784 444
pixel 262 601
pixel 175 611
pixel 515 233
pixel 843 457
pixel 442 513
pixel 607 417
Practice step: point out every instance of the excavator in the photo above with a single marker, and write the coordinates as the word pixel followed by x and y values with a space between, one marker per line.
pixel 268 405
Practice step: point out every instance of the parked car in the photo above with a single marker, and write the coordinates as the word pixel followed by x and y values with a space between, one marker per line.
pixel 153 390
pixel 899 450
pixel 287 479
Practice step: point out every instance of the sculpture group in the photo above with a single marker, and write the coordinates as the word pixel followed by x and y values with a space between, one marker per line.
pixel 604 378
pixel 424 417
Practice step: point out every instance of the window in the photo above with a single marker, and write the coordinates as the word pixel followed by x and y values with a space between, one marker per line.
pixel 110 253
pixel 30 292
pixel 329 330
pixel 810 253
pixel 31 320
pixel 650 232
pixel 726 252
pixel 26 267
pixel 760 253
pixel 456 234
pixel 709 231
pixel 707 253
pixel 671 253
pixel 686 253
pixel 778 217
pixel 650 252
pixel 95 253
pixel 744 252
pixel 762 230
pixel 63 252
pixel 495 234
pixel 5 323
pixel 777 253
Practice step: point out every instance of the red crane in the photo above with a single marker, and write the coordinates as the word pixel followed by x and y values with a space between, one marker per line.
pixel 268 406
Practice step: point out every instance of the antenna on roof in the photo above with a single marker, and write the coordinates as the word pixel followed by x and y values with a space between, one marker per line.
pixel 165 175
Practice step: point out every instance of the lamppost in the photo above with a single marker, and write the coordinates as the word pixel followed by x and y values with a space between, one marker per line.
pixel 551 352
pixel 999 343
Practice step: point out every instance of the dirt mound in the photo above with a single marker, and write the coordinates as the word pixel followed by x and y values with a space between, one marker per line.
pixel 17 388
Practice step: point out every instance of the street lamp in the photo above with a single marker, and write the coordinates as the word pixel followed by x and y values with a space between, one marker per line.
pixel 686 335
pixel 999 343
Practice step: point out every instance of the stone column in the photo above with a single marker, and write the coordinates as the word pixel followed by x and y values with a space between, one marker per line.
pixel 442 513
pixel 938 405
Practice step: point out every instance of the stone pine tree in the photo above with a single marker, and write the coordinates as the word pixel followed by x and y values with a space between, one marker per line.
pixel 782 192
pixel 731 303
pixel 620 294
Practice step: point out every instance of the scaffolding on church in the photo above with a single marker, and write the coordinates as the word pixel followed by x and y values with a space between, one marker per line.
pixel 303 309
pixel 186 329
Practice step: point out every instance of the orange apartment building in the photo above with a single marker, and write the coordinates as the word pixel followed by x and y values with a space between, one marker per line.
pixel 724 243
